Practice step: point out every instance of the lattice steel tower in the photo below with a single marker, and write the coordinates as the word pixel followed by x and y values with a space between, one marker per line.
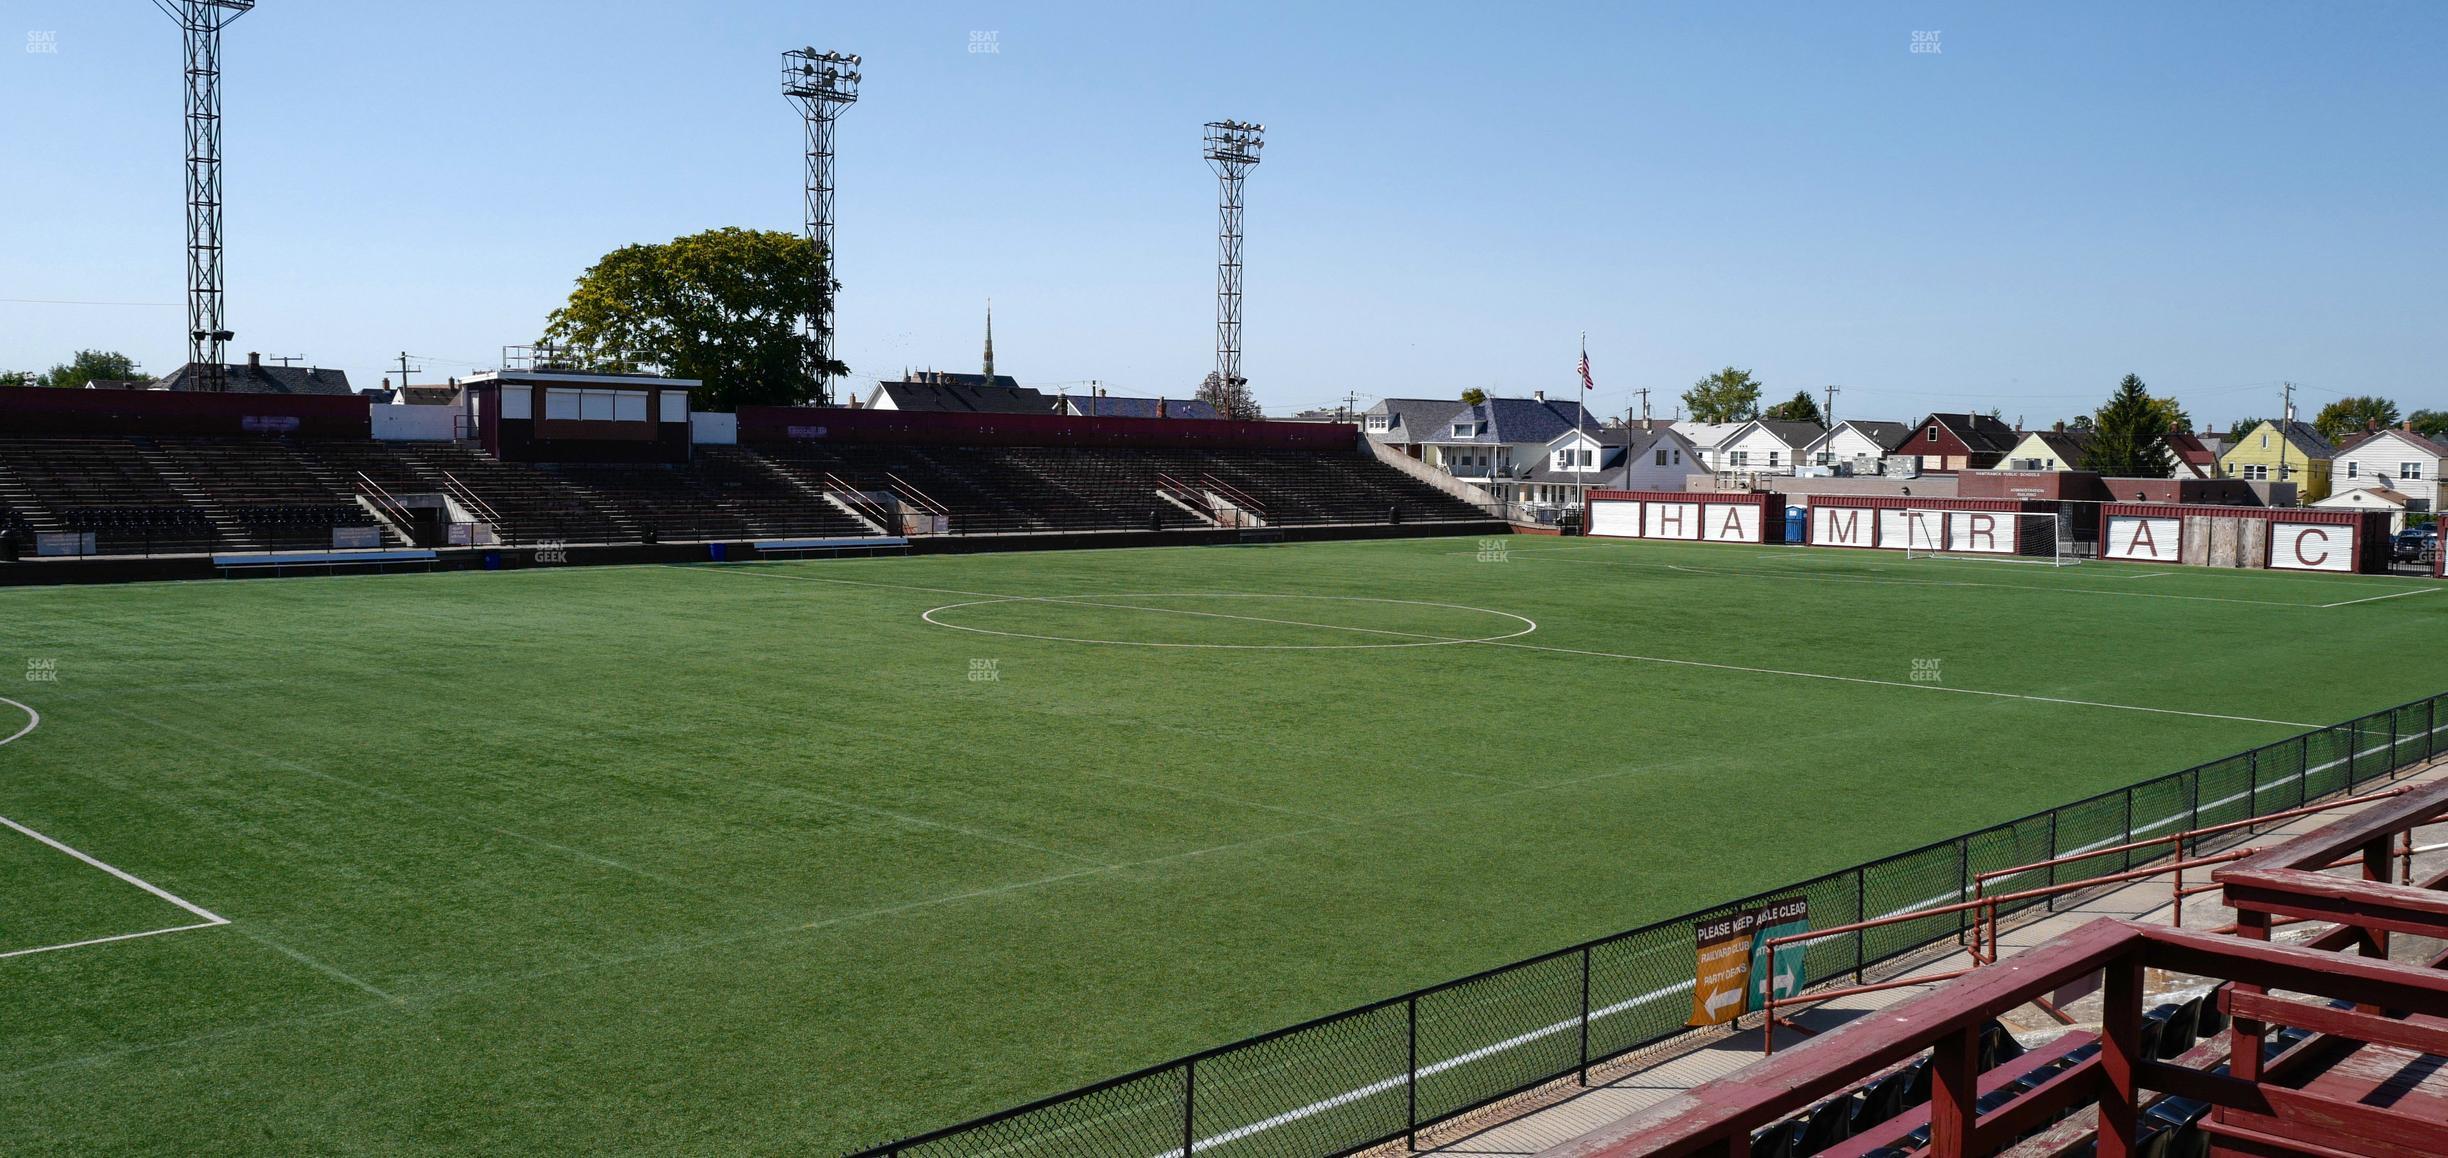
pixel 208 333
pixel 822 84
pixel 1232 150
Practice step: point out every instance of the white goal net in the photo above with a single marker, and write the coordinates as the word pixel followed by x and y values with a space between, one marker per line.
pixel 1987 536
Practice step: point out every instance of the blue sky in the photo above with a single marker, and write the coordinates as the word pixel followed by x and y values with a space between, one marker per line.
pixel 2218 197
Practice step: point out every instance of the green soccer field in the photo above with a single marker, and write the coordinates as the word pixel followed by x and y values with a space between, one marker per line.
pixel 800 856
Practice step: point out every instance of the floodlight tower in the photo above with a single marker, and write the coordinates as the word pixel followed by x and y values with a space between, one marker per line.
pixel 1232 150
pixel 822 84
pixel 208 333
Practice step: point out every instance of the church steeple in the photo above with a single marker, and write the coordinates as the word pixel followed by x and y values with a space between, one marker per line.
pixel 990 342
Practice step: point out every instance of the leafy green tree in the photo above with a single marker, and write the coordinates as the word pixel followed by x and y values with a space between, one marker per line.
pixel 2348 415
pixel 1799 408
pixel 2243 426
pixel 2082 422
pixel 2129 435
pixel 1231 401
pixel 2429 423
pixel 2178 422
pixel 726 306
pixel 1729 395
pixel 1474 396
pixel 87 366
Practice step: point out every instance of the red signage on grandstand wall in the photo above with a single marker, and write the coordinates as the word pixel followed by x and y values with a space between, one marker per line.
pixel 1692 516
pixel 844 424
pixel 38 410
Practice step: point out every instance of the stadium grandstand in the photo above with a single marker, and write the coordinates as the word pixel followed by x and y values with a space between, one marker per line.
pixel 115 475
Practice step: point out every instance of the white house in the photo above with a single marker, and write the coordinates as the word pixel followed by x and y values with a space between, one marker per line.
pixel 1616 458
pixel 2369 498
pixel 2394 459
pixel 1707 438
pixel 1861 443
pixel 1765 446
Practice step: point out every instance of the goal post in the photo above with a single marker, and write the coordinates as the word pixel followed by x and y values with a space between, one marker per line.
pixel 2043 537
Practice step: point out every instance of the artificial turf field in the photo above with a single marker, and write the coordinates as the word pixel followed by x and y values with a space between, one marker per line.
pixel 799 856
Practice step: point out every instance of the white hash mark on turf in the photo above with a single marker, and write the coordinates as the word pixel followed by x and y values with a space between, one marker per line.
pixel 210 919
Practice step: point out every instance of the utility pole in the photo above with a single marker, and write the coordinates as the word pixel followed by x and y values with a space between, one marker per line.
pixel 2286 425
pixel 403 378
pixel 1644 397
pixel 1827 418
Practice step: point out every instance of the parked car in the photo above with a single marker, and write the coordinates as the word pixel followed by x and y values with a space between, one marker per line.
pixel 2415 544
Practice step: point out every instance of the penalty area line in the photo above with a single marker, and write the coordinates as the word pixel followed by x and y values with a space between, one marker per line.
pixel 209 919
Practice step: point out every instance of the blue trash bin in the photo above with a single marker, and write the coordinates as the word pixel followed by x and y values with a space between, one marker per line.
pixel 492 560
pixel 719 551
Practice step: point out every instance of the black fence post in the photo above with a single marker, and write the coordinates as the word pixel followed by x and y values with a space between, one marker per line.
pixel 1189 1107
pixel 2303 777
pixel 1411 1074
pixel 1963 883
pixel 1585 1013
pixel 2192 810
pixel 2391 763
pixel 2051 899
pixel 2126 860
pixel 1861 912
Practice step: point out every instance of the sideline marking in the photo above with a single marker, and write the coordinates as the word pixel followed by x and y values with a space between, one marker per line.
pixel 2377 598
pixel 1626 656
pixel 1530 624
pixel 210 919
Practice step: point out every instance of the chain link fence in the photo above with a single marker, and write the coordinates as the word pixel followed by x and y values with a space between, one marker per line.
pixel 1385 1071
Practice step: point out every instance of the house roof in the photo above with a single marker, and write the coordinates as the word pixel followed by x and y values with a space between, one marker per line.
pixel 1710 435
pixel 1512 420
pixel 1979 432
pixel 970 397
pixel 1795 435
pixel 2066 446
pixel 2365 496
pixel 1410 418
pixel 1109 406
pixel 1888 435
pixel 2417 442
pixel 2191 449
pixel 246 378
pixel 2298 434
pixel 1617 446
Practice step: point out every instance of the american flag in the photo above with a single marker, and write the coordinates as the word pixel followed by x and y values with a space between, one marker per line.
pixel 1587 383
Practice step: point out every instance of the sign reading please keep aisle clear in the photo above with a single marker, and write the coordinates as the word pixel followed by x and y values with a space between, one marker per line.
pixel 1733 973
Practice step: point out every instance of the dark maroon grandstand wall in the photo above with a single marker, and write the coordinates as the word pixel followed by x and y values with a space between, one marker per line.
pixel 41 411
pixel 770 424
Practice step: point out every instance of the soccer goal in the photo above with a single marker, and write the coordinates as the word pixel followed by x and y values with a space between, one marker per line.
pixel 2044 537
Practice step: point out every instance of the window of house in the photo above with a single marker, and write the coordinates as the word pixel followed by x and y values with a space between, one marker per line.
pixel 1739 458
pixel 1772 457
pixel 2353 469
pixel 1661 456
pixel 1381 422
pixel 2409 470
pixel 2265 442
pixel 2256 472
pixel 629 406
pixel 1933 434
pixel 560 405
pixel 1678 458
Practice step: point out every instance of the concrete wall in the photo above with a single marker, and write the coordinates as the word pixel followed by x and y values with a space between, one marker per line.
pixel 1429 474
pixel 415 423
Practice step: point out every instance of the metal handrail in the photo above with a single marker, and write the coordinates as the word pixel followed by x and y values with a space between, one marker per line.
pixel 905 490
pixel 387 506
pixel 859 504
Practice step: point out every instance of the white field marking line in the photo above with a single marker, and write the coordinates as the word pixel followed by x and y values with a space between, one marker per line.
pixel 1089 601
pixel 1694 663
pixel 323 967
pixel 1387 1084
pixel 210 918
pixel 2378 598
pixel 412 802
pixel 1787 573
pixel 920 821
pixel 1774 571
